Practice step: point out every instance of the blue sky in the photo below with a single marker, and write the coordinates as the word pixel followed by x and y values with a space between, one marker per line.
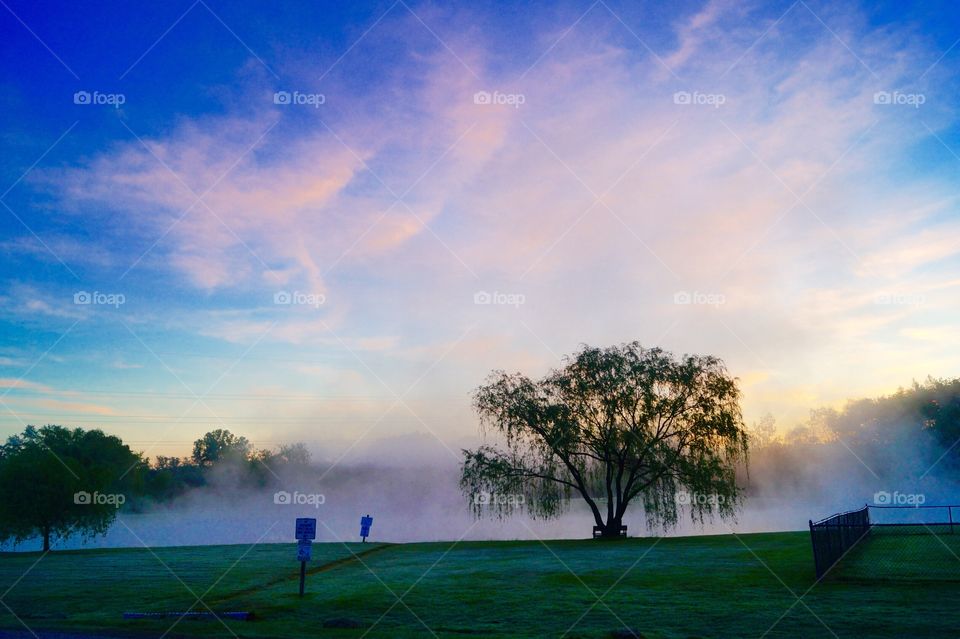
pixel 772 183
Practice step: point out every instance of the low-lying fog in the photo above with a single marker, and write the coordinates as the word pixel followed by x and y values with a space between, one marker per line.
pixel 410 487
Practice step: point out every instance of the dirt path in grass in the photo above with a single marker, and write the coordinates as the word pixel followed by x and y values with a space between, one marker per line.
pixel 331 565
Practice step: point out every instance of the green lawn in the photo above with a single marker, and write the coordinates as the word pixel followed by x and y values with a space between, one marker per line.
pixel 904 553
pixel 719 586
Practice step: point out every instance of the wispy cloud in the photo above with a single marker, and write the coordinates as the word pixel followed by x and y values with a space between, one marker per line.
pixel 762 169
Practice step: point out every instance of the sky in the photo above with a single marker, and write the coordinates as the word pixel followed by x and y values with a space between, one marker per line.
pixel 328 222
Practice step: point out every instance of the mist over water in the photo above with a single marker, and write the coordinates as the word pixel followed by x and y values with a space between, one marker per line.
pixel 413 495
pixel 879 452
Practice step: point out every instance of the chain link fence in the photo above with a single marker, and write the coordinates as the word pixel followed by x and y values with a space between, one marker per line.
pixel 896 543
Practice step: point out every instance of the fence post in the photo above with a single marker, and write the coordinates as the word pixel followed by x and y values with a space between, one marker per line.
pixel 950 515
pixel 816 556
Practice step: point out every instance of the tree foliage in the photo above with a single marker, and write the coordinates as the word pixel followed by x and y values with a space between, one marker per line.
pixel 56 482
pixel 906 440
pixel 614 426
pixel 224 454
pixel 220 445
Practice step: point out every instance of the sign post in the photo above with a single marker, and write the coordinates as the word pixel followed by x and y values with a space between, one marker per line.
pixel 306 531
pixel 365 523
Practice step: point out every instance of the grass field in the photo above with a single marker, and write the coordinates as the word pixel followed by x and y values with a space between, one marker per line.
pixel 718 586
pixel 903 554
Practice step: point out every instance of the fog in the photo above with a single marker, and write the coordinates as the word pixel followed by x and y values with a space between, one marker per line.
pixel 835 462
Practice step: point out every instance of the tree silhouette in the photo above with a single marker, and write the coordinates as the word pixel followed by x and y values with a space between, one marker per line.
pixel 613 426
pixel 220 444
pixel 56 481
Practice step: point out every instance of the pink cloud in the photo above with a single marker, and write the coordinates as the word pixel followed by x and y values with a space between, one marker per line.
pixel 598 198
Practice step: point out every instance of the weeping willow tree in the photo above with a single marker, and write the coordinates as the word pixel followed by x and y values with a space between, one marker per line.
pixel 614 426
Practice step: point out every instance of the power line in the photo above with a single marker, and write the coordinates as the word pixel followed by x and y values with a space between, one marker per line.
pixel 47 417
pixel 175 395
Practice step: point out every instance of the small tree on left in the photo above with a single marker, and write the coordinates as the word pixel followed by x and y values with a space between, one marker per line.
pixel 56 482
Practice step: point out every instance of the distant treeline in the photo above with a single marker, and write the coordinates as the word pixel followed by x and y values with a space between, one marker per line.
pixel 896 441
pixel 56 482
pixel 169 477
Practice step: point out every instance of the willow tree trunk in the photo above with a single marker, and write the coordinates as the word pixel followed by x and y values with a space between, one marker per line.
pixel 611 529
